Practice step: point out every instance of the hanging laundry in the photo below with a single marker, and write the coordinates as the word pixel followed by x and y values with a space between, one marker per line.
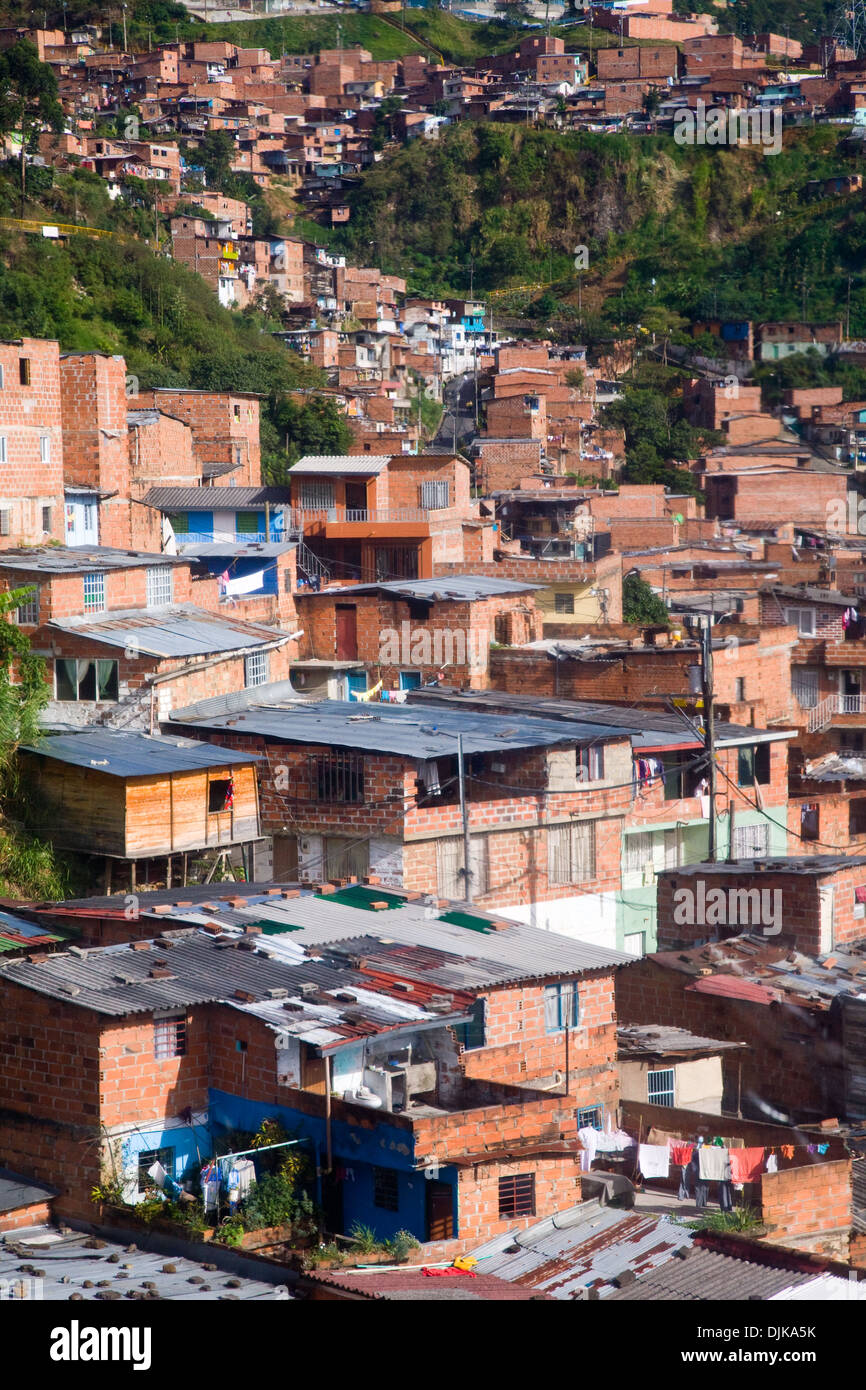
pixel 613 1142
pixel 685 1190
pixel 589 1140
pixel 681 1154
pixel 746 1164
pixel 822 1148
pixel 233 1184
pixel 811 1148
pixel 428 776
pixel 714 1164
pixel 788 1151
pixel 772 1164
pixel 246 1171
pixel 726 1200
pixel 654 1160
pixel 660 1136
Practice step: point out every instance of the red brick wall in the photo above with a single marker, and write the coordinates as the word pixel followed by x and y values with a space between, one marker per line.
pixel 29 413
pixel 768 497
pixel 807 1201
pixel 223 424
pixel 557 1187
pixel 38 1214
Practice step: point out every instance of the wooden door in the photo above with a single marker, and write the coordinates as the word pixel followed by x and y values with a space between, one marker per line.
pixel 347 632
pixel 440 1210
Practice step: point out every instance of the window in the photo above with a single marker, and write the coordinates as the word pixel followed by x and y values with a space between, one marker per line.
pixel 179 523
pixel 169 1038
pixel 337 777
pixel 248 524
pixel 28 611
pixel 3 457
pixel 317 496
pixel 94 592
pixel 571 852
pixel 344 858
pixel 634 943
pixel 146 1160
pixel 563 603
pixel 809 821
pixel 561 1006
pixel 47 513
pixel 517 1195
pixel 590 1117
pixel 857 816
pixel 637 852
pixel 472 1034
pixel 44 448
pixel 740 689
pixel 159 585
pixel 450 876
pixel 220 795
pixel 751 841
pixel 803 619
pixel 2 379
pixel 435 494
pixel 85 679
pixel 5 522
pixel 590 763
pixel 804 685
pixel 24 371
pixel 256 669
pixel 753 765
pixel 660 1086
pixel 385 1194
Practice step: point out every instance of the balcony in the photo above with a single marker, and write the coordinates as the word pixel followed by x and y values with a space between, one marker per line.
pixel 333 520
pixel 835 706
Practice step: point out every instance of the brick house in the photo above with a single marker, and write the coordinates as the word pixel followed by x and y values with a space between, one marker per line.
pixel 407 633
pixel 767 493
pixel 379 516
pixel 31 443
pixel 224 424
pixel 350 792
pixel 665 822
pixel 828 672
pixel 441 1126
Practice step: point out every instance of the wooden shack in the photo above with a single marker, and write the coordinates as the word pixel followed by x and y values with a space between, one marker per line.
pixel 138 797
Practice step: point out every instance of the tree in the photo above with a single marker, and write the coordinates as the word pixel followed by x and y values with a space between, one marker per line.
pixel 316 427
pixel 28 98
pixel 215 155
pixel 24 690
pixel 640 605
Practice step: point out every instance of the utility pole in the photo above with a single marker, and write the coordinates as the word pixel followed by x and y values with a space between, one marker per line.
pixel 709 730
pixel 848 311
pixel 464 815
pixel 124 28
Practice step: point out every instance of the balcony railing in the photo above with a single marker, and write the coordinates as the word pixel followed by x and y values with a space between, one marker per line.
pixel 304 516
pixel 822 714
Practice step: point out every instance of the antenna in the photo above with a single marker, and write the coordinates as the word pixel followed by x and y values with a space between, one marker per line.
pixel 849 26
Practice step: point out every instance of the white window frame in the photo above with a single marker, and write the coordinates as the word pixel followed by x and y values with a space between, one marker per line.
pixel 663 1089
pixel 751 841
pixel 318 495
pixel 159 585
pixel 94 592
pixel 44 448
pixel 795 617
pixel 435 494
pixel 256 669
pixel 4 456
pixel 27 613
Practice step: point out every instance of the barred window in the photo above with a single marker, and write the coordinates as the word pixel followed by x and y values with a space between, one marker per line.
pixel 517 1195
pixel 256 669
pixel 660 1086
pixel 159 585
pixel 435 494
pixel 450 863
pixel 571 852
pixel 563 603
pixel 94 592
pixel 637 851
pixel 317 496
pixel 146 1160
pixel 751 841
pixel 385 1192
pixel 337 777
pixel 169 1038
pixel 28 611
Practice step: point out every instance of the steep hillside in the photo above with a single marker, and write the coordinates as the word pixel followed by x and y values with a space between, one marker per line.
pixel 730 229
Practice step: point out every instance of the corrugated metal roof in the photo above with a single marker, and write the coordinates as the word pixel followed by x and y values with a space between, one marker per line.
pixel 84 559
pixel 652 1040
pixel 176 631
pixel 412 938
pixel 411 1285
pixel 648 728
pixel 124 753
pixel 342 463
pixel 584 1247
pixel 214 499
pixel 17 1191
pixel 66 1262
pixel 406 731
pixel 228 550
pixel 456 588
pixel 707 1276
